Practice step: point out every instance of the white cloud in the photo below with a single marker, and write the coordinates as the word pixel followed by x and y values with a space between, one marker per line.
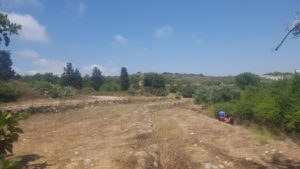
pixel 81 9
pixel 31 29
pixel 28 53
pixel 104 69
pixel 16 4
pixel 48 65
pixel 120 40
pixel 163 31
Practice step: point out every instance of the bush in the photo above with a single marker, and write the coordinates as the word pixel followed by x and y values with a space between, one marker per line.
pixel 156 91
pixel 187 91
pixel 8 93
pixel 247 79
pixel 178 96
pixel 275 105
pixel 215 94
pixel 9 133
pixel 54 91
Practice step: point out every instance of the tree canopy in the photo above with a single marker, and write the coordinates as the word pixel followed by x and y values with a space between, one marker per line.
pixel 124 79
pixel 247 79
pixel 97 79
pixel 7 28
pixel 71 77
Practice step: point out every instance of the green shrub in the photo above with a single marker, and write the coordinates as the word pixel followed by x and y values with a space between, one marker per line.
pixel 247 79
pixel 275 105
pixel 215 94
pixel 9 133
pixel 110 87
pixel 178 96
pixel 8 92
pixel 53 90
pixel 87 91
pixel 156 91
pixel 187 91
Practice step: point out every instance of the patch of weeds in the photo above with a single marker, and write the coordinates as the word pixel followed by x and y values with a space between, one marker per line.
pixel 276 157
pixel 263 135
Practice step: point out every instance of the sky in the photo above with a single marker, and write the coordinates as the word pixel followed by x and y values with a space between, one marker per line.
pixel 212 37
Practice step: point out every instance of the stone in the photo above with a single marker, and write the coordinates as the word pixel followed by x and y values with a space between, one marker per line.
pixel 209 166
pixel 87 162
pixel 221 166
pixel 249 159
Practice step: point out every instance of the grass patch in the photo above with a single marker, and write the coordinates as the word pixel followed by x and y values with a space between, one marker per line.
pixel 262 134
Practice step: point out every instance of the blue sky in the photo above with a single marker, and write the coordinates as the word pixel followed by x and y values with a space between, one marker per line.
pixel 213 37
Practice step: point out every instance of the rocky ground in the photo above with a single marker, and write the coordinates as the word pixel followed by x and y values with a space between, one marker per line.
pixel 168 134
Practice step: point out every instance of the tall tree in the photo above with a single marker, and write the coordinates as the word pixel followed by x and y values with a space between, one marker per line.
pixel 97 79
pixel 6 29
pixel 71 77
pixel 78 82
pixel 6 72
pixel 67 75
pixel 124 79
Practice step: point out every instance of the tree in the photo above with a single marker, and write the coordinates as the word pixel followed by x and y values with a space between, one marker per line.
pixel 78 83
pixel 6 72
pixel 295 31
pixel 97 79
pixel 71 77
pixel 124 79
pixel 67 75
pixel 247 79
pixel 7 28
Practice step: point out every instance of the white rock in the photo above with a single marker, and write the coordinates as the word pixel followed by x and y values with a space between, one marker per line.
pixel 87 162
pixel 76 152
pixel 249 159
pixel 209 166
pixel 221 166
pixel 192 133
pixel 155 164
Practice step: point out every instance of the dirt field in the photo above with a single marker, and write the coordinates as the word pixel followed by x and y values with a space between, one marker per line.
pixel 146 135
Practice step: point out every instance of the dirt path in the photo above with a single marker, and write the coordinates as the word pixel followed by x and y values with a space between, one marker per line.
pixel 159 135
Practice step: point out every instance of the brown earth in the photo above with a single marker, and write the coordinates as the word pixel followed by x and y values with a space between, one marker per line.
pixel 145 135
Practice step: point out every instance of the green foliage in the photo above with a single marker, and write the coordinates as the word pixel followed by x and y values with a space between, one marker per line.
pixel 275 105
pixel 9 163
pixel 7 28
pixel 6 72
pixel 71 77
pixel 124 79
pixel 187 91
pixel 134 81
pixel 9 133
pixel 111 84
pixel 97 79
pixel 155 84
pixel 154 80
pixel 156 91
pixel 53 90
pixel 214 94
pixel 46 77
pixel 173 88
pixel 178 96
pixel 8 93
pixel 247 79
